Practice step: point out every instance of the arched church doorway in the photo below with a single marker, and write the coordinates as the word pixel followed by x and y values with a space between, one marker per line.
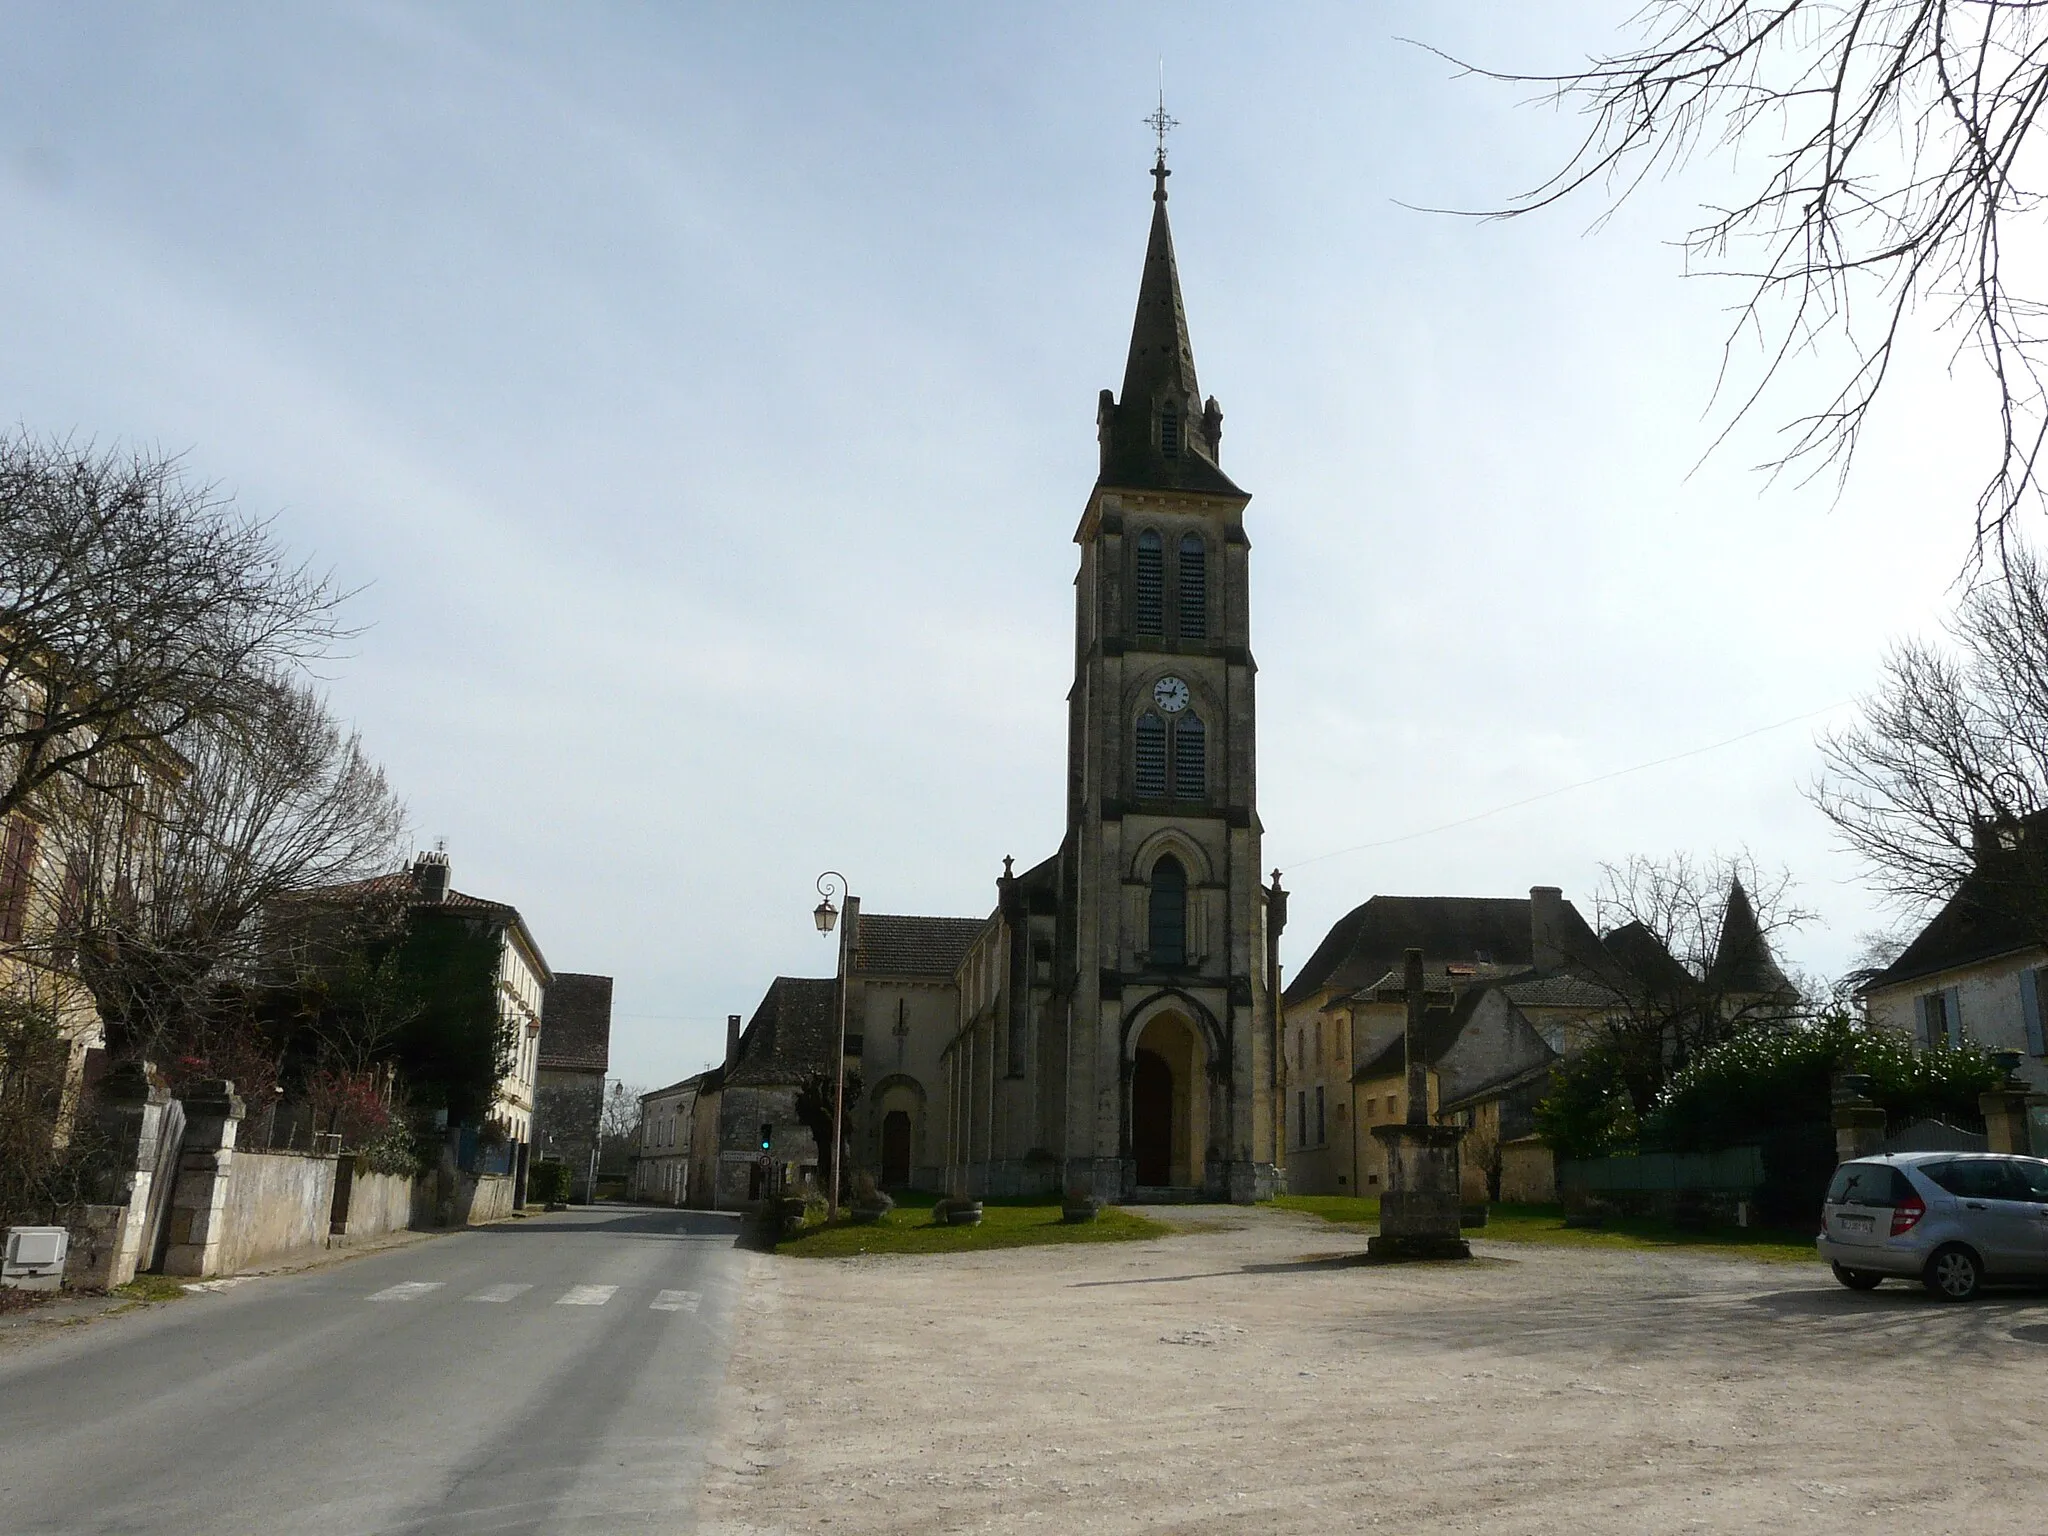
pixel 895 1149
pixel 1152 1118
pixel 1169 1104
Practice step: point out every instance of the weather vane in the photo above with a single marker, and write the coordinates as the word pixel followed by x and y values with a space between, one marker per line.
pixel 1159 122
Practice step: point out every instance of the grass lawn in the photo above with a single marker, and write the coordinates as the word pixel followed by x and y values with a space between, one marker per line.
pixel 1545 1224
pixel 1004 1224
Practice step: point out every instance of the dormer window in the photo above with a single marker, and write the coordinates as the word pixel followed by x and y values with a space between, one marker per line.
pixel 1169 431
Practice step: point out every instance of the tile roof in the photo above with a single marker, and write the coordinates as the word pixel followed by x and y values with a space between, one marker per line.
pixel 792 1035
pixel 913 946
pixel 1972 926
pixel 576 1023
pixel 1556 989
pixel 1369 940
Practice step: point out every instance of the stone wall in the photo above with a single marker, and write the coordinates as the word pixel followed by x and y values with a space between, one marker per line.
pixel 482 1197
pixel 278 1204
pixel 1528 1173
pixel 385 1202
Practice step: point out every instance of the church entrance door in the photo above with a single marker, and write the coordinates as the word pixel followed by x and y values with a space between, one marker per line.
pixel 1152 1118
pixel 895 1149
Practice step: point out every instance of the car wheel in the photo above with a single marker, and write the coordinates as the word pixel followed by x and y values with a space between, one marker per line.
pixel 1858 1279
pixel 1954 1274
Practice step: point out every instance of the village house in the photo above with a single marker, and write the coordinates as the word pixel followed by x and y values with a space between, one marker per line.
pixel 1974 974
pixel 1345 1013
pixel 745 1134
pixel 519 983
pixel 661 1159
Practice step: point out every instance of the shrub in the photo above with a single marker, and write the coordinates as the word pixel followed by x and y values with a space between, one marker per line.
pixel 549 1181
pixel 1753 1087
pixel 1588 1112
pixel 394 1149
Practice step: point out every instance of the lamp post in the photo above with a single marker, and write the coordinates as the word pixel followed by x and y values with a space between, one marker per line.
pixel 825 915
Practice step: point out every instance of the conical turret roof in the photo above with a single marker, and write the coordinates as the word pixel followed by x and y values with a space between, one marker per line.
pixel 1742 958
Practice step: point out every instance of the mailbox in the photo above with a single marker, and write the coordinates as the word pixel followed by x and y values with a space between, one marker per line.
pixel 34 1258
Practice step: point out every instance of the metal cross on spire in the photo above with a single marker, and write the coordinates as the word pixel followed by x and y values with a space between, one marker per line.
pixel 1159 122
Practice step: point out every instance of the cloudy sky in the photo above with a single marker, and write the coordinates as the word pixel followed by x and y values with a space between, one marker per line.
pixel 703 398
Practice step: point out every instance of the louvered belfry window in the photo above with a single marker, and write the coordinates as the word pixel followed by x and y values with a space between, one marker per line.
pixel 1194 587
pixel 1190 759
pixel 1151 737
pixel 1169 432
pixel 1168 925
pixel 1151 604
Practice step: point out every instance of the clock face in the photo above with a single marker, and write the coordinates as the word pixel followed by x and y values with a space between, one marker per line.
pixel 1170 694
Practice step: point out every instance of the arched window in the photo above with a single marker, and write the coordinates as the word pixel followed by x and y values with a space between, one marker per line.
pixel 1190 759
pixel 1169 430
pixel 1151 604
pixel 1151 742
pixel 1169 913
pixel 1194 587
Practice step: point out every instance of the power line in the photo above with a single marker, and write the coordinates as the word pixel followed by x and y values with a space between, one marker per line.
pixel 1548 794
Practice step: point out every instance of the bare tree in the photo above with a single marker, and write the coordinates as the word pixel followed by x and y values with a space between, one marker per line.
pixel 1691 961
pixel 1946 773
pixel 618 1124
pixel 279 802
pixel 135 607
pixel 1882 151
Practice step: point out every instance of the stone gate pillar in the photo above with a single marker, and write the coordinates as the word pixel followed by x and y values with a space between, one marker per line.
pixel 198 1205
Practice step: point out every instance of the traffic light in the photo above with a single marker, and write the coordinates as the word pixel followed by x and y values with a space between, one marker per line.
pixel 767 1136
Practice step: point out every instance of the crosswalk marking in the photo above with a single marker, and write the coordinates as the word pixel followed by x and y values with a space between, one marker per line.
pixel 410 1290
pixel 500 1292
pixel 676 1301
pixel 587 1296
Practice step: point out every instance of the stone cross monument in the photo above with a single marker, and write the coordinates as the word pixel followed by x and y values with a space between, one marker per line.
pixel 1419 1202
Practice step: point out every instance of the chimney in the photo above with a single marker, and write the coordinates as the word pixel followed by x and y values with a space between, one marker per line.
pixel 430 876
pixel 732 1038
pixel 1546 926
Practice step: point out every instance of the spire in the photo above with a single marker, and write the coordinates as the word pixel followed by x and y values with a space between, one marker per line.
pixel 1161 434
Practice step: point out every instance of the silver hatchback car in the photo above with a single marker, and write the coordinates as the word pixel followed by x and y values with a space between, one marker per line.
pixel 1952 1220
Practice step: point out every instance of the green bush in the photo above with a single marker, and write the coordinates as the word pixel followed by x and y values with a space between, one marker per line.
pixel 549 1181
pixel 394 1150
pixel 1755 1086
pixel 1587 1112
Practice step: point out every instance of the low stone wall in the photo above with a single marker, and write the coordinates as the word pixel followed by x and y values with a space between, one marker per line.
pixel 278 1204
pixel 385 1202
pixel 482 1197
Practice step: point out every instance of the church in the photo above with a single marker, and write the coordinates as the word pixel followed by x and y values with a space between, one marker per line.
pixel 1109 1030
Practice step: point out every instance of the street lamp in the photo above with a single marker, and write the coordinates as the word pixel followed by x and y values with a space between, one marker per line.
pixel 825 915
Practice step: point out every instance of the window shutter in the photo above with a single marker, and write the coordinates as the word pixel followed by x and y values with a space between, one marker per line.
pixel 1151 742
pixel 1194 588
pixel 1190 759
pixel 1151 604
pixel 1952 1007
pixel 1923 1029
pixel 2030 1010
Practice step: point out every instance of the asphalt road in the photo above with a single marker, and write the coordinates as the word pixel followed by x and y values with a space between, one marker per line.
pixel 552 1374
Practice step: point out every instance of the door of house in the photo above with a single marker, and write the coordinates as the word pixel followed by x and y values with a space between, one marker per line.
pixel 1152 1118
pixel 895 1149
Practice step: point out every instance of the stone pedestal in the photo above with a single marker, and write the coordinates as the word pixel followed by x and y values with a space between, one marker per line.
pixel 1419 1206
pixel 2006 1112
pixel 1859 1123
pixel 212 1112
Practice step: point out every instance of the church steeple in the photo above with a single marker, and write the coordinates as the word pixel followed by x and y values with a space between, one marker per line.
pixel 1161 435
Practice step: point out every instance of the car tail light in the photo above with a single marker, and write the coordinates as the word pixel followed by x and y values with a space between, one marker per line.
pixel 1906 1215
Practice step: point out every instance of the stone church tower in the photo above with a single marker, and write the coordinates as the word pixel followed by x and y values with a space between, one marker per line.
pixel 1117 1034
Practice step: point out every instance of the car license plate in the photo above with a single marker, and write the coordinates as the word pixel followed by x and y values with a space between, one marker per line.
pixel 1856 1223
